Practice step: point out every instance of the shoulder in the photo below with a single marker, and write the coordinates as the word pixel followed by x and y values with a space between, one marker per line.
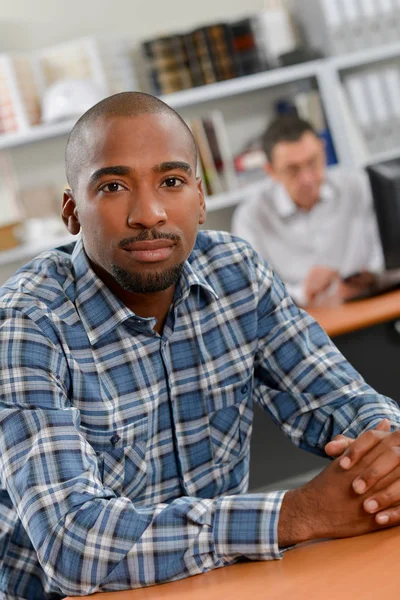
pixel 43 282
pixel 352 186
pixel 348 179
pixel 227 262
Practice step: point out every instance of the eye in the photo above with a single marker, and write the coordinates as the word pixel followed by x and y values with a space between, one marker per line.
pixel 112 187
pixel 173 182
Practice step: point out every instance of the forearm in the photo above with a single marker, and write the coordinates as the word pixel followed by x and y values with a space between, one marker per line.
pixel 146 546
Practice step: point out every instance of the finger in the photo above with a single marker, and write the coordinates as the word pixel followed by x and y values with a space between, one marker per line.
pixel 384 464
pixel 337 446
pixel 363 444
pixel 384 499
pixel 388 517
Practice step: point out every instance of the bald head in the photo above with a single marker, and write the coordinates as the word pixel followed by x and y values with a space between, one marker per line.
pixel 125 104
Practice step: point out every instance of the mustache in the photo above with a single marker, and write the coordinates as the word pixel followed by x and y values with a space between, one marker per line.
pixel 148 235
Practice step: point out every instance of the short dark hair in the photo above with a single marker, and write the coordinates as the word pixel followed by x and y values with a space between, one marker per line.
pixel 124 104
pixel 285 128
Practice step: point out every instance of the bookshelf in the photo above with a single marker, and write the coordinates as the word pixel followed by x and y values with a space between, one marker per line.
pixel 328 73
pixel 26 251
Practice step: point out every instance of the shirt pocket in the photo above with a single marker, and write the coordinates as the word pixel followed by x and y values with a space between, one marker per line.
pixel 121 457
pixel 231 423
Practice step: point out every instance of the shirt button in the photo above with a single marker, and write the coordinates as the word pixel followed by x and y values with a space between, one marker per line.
pixel 115 439
pixel 245 389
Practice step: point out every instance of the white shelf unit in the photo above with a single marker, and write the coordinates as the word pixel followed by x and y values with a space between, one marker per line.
pixel 325 71
pixel 27 251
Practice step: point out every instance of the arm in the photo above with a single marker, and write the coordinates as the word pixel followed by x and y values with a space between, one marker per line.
pixel 86 538
pixel 303 381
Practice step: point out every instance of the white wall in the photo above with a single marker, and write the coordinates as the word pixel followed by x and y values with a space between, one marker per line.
pixel 27 24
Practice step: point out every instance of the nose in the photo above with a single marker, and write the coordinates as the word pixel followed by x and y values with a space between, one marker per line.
pixel 146 211
pixel 307 177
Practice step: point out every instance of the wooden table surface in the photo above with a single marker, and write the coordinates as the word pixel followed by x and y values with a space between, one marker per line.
pixel 359 314
pixel 360 568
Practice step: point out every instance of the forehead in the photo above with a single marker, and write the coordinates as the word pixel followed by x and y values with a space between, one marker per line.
pixel 296 152
pixel 138 142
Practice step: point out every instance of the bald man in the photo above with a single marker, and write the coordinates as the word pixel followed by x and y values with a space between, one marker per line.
pixel 129 362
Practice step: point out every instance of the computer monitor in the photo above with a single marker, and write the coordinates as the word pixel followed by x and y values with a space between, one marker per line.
pixel 385 184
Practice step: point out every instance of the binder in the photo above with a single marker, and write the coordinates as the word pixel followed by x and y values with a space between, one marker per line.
pixel 371 25
pixel 323 23
pixel 355 137
pixel 355 88
pixel 389 20
pixel 391 83
pixel 379 109
pixel 353 26
pixel 275 33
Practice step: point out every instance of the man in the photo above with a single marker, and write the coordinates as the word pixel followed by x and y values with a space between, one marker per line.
pixel 128 366
pixel 316 227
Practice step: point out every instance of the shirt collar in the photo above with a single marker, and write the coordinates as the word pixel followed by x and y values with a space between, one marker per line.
pixel 101 311
pixel 285 206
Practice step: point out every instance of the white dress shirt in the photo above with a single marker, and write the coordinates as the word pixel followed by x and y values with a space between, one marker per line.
pixel 340 231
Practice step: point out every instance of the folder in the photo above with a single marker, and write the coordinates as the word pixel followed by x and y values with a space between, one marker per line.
pixel 353 26
pixel 361 110
pixel 379 109
pixel 370 23
pixel 322 22
pixel 389 19
pixel 391 82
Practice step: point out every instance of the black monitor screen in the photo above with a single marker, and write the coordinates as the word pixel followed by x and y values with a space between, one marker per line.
pixel 385 184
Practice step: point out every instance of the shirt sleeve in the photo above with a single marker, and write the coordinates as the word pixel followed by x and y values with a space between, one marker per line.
pixel 302 380
pixel 88 539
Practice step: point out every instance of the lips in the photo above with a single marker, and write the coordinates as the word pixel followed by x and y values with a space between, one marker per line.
pixel 150 251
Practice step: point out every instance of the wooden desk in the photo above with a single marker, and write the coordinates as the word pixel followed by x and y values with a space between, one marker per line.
pixel 358 314
pixel 361 568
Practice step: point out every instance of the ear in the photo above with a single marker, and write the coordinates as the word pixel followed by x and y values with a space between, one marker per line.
pixel 202 212
pixel 270 171
pixel 69 213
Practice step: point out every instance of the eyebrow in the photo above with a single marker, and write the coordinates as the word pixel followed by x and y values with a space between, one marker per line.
pixel 171 165
pixel 117 170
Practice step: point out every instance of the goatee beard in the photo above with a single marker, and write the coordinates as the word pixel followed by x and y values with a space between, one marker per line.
pixel 139 283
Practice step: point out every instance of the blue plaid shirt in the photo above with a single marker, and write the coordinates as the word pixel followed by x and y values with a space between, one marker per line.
pixel 124 454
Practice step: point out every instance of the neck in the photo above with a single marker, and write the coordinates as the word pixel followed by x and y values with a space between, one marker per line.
pixel 149 304
pixel 155 304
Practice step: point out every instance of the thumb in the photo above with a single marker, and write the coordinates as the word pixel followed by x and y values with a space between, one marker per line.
pixel 338 445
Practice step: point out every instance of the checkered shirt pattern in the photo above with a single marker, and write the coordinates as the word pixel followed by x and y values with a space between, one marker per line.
pixel 124 454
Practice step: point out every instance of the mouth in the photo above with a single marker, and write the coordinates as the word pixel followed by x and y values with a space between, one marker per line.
pixel 150 251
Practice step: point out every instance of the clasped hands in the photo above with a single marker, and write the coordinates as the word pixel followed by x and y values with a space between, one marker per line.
pixel 375 458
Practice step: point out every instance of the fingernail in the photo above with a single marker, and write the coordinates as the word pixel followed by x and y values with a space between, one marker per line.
pixel 371 505
pixel 382 519
pixel 359 486
pixel 345 462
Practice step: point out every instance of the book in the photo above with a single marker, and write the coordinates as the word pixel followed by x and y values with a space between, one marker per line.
pixel 192 60
pixel 220 44
pixel 212 178
pixel 201 46
pixel 167 67
pixel 227 170
pixel 248 54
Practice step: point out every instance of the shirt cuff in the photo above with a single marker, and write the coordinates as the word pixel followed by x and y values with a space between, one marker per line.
pixel 247 526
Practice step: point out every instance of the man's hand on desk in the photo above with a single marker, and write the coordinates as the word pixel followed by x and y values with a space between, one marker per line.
pixel 374 461
pixel 321 286
pixel 337 503
pixel 324 286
